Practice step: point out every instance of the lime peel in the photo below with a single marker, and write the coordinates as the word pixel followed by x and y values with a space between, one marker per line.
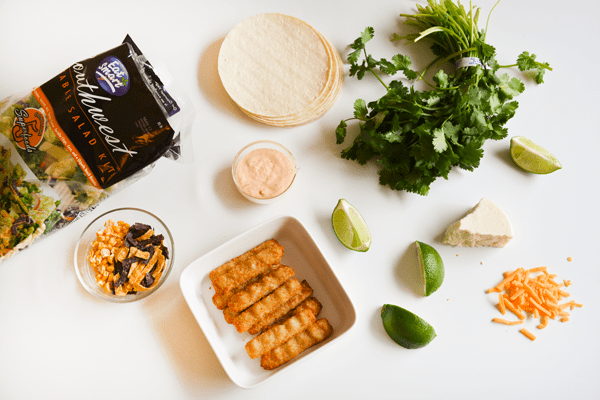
pixel 532 157
pixel 350 227
pixel 405 328
pixel 432 267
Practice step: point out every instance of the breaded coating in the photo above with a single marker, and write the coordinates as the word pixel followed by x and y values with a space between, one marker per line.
pixel 265 285
pixel 311 304
pixel 279 334
pixel 240 259
pixel 270 318
pixel 221 300
pixel 248 269
pixel 266 305
pixel 229 315
pixel 315 333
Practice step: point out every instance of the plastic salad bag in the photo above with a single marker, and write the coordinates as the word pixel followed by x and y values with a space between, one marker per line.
pixel 90 131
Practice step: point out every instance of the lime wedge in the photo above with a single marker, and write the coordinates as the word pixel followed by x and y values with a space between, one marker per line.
pixel 350 227
pixel 406 328
pixel 432 267
pixel 532 157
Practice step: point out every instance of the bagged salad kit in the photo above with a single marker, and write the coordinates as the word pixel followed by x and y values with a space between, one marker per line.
pixel 90 131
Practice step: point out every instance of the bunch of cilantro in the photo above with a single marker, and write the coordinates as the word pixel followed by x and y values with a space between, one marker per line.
pixel 418 136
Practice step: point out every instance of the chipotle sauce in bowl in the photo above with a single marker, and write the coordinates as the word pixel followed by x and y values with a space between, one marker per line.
pixel 263 171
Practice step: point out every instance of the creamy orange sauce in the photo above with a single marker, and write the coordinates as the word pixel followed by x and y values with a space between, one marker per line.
pixel 265 173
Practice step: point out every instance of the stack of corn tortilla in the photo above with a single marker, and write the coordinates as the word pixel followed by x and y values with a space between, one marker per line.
pixel 279 70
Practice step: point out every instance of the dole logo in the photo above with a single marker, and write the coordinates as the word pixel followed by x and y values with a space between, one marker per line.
pixel 28 128
pixel 112 76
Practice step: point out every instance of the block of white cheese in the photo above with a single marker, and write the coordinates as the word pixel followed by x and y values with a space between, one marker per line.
pixel 484 225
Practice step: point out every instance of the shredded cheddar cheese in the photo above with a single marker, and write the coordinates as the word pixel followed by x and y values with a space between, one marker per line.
pixel 532 292
pixel 528 334
pixel 506 322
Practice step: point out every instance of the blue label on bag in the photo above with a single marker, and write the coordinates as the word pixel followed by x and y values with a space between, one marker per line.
pixel 112 76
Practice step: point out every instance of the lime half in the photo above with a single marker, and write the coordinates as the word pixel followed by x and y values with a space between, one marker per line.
pixel 532 157
pixel 406 328
pixel 350 227
pixel 432 267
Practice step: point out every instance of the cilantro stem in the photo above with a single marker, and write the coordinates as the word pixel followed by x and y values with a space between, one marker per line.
pixel 419 136
pixel 488 22
pixel 538 64
pixel 373 72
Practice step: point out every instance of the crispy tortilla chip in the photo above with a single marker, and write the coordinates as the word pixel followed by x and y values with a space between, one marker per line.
pixel 141 272
pixel 160 266
pixel 149 233
pixel 121 253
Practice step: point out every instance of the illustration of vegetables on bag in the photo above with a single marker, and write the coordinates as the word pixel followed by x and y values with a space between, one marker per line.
pixel 90 131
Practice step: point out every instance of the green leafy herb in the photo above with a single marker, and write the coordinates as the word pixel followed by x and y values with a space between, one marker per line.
pixel 419 136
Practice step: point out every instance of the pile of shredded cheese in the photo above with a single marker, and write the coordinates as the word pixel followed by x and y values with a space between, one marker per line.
pixel 534 292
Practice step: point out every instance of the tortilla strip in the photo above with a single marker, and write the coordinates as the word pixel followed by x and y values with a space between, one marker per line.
pixel 268 319
pixel 265 285
pixel 248 269
pixel 268 304
pixel 215 273
pixel 141 272
pixel 315 333
pixel 149 233
pixel 279 334
pixel 160 266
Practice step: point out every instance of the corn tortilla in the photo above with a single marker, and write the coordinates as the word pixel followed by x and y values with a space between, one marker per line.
pixel 279 70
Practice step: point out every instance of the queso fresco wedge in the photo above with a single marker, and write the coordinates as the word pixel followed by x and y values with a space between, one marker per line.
pixel 419 136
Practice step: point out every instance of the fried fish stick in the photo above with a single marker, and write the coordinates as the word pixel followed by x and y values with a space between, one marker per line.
pixel 229 315
pixel 248 269
pixel 220 300
pixel 240 259
pixel 315 333
pixel 266 305
pixel 267 320
pixel 311 304
pixel 265 285
pixel 279 334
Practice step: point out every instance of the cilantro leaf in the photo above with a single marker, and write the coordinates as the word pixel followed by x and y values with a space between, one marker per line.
pixel 526 61
pixel 418 136
pixel 439 140
pixel 360 109
pixel 340 132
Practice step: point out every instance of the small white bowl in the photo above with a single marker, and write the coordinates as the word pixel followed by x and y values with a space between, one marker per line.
pixel 262 144
pixel 85 272
pixel 304 256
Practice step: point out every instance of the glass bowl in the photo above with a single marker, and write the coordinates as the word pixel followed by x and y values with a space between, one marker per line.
pixel 262 144
pixel 85 271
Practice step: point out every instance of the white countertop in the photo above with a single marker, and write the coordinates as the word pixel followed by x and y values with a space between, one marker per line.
pixel 59 342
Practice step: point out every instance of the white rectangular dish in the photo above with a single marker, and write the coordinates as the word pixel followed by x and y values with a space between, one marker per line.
pixel 304 256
